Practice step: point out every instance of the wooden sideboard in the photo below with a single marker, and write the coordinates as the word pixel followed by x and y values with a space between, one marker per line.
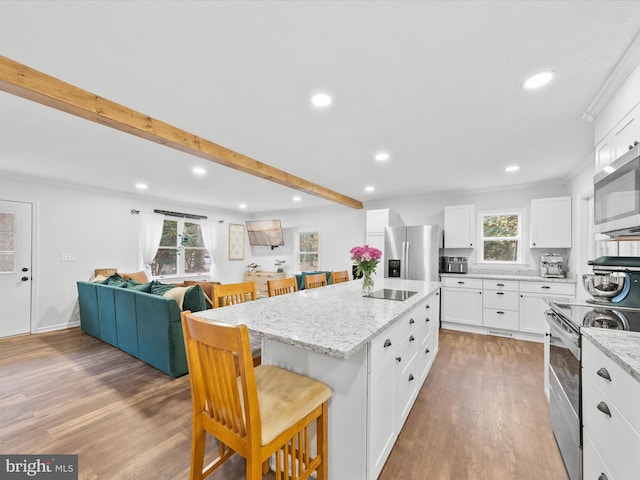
pixel 260 278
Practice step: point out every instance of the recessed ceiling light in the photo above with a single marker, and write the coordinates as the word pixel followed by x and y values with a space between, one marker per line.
pixel 512 168
pixel 538 80
pixel 297 199
pixel 242 205
pixel 382 156
pixel 369 188
pixel 142 186
pixel 321 100
pixel 198 170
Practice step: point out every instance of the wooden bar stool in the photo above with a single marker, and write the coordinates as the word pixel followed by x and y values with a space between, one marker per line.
pixel 232 293
pixel 253 411
pixel 315 280
pixel 339 277
pixel 282 286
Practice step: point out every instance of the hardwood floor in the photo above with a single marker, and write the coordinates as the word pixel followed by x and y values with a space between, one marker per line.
pixel 480 415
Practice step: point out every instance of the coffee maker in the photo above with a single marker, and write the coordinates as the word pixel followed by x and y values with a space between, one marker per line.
pixel 615 281
pixel 551 265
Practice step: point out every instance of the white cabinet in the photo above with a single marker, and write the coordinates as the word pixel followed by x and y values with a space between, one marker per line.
pixel 462 300
pixel 626 133
pixel 500 304
pixel 377 220
pixel 399 361
pixel 611 419
pixel 506 307
pixel 533 306
pixel 551 222
pixel 459 226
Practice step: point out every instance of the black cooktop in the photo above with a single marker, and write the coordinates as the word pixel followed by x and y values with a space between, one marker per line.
pixel 596 316
pixel 391 294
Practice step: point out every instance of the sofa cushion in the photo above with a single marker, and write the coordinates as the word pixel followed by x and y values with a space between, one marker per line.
pixel 135 285
pixel 188 298
pixel 114 280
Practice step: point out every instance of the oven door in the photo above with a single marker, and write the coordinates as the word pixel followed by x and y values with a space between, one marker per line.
pixel 564 392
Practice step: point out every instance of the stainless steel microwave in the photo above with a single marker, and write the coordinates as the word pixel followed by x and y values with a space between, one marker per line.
pixel 616 194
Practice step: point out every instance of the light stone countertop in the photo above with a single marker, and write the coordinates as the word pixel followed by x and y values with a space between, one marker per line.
pixel 496 276
pixel 620 346
pixel 335 320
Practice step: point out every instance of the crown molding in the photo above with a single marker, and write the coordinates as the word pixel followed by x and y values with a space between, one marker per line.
pixel 629 61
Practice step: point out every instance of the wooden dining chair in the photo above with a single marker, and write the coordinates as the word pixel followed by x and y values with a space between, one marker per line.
pixel 282 286
pixel 232 293
pixel 253 411
pixel 315 280
pixel 339 277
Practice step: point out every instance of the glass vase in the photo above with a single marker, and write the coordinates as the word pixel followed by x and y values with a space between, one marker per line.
pixel 367 284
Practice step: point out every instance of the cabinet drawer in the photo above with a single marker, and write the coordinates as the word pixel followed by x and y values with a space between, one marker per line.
pixel 500 300
pixel 593 465
pixel 507 319
pixel 549 288
pixel 613 437
pixel 500 284
pixel 382 347
pixel 462 282
pixel 412 320
pixel 622 389
pixel 408 350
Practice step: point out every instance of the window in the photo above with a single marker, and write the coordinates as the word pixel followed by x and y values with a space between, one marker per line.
pixel 500 237
pixel 182 250
pixel 309 248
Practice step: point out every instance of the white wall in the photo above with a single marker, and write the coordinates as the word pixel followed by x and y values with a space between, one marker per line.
pixel 99 229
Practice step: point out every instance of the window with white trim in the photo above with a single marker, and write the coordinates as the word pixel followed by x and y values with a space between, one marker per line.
pixel 308 256
pixel 182 250
pixel 500 237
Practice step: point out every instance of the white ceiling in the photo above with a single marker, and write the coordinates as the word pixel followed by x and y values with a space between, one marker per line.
pixel 436 84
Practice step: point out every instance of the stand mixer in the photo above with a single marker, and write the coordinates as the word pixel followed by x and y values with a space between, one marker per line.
pixel 615 281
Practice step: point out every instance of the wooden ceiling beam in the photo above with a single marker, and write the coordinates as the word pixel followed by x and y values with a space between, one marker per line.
pixel 39 87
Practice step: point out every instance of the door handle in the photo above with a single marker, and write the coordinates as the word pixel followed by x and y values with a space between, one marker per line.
pixel 25 269
pixel 24 279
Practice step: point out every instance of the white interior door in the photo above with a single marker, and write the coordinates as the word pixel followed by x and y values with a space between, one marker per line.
pixel 15 268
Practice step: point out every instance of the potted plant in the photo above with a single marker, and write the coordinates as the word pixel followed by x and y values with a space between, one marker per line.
pixel 280 265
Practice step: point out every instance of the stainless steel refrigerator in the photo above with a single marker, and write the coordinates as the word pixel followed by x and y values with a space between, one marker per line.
pixel 412 252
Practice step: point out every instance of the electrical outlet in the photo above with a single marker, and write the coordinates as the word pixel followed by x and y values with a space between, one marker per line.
pixel 67 257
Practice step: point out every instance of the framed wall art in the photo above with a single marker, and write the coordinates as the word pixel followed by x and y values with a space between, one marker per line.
pixel 236 241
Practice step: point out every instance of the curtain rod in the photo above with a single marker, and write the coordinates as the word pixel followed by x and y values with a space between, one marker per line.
pixel 176 214
pixel 182 215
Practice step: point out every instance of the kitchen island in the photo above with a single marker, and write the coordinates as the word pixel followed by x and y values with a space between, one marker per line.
pixel 373 353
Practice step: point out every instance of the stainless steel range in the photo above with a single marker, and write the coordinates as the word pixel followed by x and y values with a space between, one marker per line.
pixel 565 321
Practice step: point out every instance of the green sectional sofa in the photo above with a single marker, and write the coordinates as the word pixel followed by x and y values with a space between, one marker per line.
pixel 145 325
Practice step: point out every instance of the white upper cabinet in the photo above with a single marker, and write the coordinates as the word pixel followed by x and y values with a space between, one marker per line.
pixel 459 226
pixel 616 143
pixel 551 222
pixel 617 124
pixel 377 220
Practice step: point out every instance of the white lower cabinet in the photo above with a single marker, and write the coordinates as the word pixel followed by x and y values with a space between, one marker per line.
pixel 399 362
pixel 462 300
pixel 503 307
pixel 610 416
pixel 533 306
